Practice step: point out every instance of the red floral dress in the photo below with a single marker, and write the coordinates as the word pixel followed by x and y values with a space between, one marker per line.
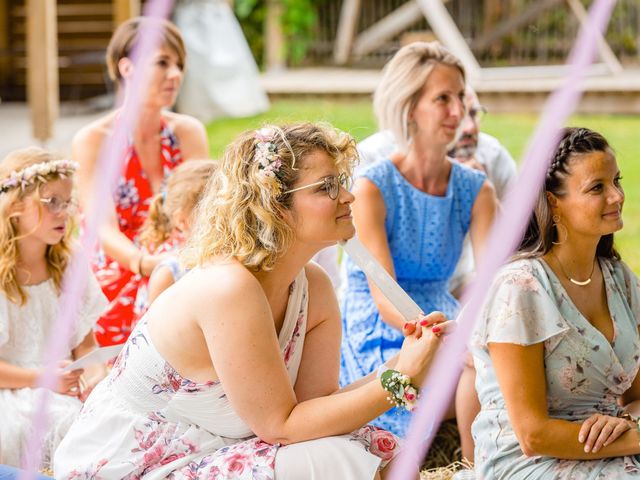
pixel 131 199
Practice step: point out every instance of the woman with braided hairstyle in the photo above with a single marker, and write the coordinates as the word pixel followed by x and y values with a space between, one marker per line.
pixel 233 371
pixel 557 349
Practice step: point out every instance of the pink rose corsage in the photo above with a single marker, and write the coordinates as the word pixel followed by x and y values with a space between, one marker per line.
pixel 402 392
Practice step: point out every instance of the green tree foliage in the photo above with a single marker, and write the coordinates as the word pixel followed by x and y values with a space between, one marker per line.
pixel 299 19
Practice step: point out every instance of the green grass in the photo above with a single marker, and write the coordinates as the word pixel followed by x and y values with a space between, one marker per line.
pixel 355 116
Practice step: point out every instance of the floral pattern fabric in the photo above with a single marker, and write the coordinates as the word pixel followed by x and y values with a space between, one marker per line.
pixel 132 198
pixel 585 374
pixel 146 421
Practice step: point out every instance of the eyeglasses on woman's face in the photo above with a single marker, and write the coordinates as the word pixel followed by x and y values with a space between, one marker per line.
pixel 330 184
pixel 56 206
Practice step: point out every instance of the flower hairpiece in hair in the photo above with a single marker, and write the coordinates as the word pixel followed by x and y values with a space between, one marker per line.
pixel 38 171
pixel 266 155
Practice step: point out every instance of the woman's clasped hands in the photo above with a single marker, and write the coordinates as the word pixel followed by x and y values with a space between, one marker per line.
pixel 599 431
pixel 422 339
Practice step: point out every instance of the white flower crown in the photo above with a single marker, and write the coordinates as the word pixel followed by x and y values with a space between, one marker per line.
pixel 38 171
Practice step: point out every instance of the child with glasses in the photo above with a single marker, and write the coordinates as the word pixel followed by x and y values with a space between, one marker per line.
pixel 37 210
pixel 167 227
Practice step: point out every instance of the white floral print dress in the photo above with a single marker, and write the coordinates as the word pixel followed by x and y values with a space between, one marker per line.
pixel 145 421
pixel 584 373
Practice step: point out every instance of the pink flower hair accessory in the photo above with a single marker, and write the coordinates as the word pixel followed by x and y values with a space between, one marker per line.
pixel 266 155
pixel 38 171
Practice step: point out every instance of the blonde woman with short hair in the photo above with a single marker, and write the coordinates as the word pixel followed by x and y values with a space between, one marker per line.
pixel 233 372
pixel 413 209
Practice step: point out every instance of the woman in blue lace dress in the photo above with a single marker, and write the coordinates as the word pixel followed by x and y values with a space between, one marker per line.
pixel 413 209
pixel 557 348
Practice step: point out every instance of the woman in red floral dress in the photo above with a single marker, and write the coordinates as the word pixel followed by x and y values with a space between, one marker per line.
pixel 159 143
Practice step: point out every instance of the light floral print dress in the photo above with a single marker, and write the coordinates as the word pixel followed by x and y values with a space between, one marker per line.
pixel 584 373
pixel 145 421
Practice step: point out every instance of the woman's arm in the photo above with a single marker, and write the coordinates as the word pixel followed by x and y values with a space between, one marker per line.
pixel 239 332
pixel 320 365
pixel 92 374
pixel 322 339
pixel 85 149
pixel 521 375
pixel 369 212
pixel 482 216
pixel 160 280
pixel 12 376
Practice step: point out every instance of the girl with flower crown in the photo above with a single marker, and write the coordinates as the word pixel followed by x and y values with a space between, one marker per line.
pixel 37 211
pixel 233 372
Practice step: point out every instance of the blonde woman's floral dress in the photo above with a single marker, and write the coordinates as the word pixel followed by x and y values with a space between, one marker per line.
pixel 585 374
pixel 145 421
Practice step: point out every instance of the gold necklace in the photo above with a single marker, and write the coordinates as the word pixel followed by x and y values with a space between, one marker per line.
pixel 575 282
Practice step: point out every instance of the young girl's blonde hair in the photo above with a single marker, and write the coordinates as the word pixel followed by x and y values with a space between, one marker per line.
pixel 181 195
pixel 241 214
pixel 57 256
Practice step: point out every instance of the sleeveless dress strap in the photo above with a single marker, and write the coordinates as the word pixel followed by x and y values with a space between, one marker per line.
pixel 294 327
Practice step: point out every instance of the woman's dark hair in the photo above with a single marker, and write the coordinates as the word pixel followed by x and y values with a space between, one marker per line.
pixel 541 231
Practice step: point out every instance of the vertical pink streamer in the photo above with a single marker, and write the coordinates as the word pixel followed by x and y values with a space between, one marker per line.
pixel 504 238
pixel 107 171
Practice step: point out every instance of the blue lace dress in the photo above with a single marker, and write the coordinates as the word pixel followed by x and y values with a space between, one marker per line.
pixel 425 235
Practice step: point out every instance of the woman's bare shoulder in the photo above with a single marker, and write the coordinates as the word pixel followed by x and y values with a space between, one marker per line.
pixel 90 137
pixel 219 283
pixel 181 123
pixel 98 129
pixel 191 134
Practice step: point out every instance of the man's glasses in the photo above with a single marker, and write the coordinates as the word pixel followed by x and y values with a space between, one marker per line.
pixel 57 206
pixel 477 113
pixel 330 184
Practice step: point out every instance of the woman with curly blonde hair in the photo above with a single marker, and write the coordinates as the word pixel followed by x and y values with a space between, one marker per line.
pixel 236 366
pixel 37 212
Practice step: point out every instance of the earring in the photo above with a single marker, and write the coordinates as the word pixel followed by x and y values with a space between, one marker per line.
pixel 559 226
